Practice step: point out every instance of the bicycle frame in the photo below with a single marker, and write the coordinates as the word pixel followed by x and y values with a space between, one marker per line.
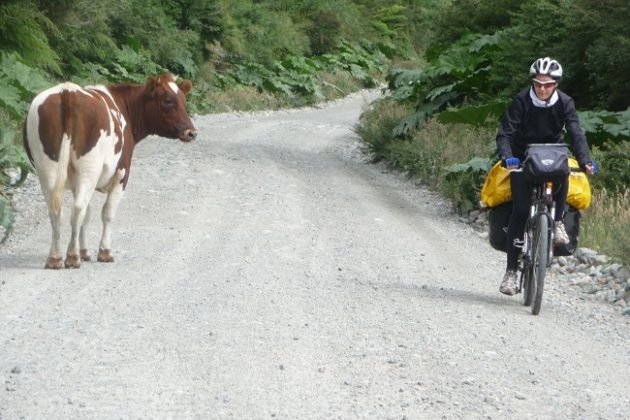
pixel 542 204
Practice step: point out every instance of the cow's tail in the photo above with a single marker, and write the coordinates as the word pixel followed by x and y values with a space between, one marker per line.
pixel 64 155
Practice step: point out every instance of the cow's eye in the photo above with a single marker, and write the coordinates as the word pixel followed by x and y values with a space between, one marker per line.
pixel 168 102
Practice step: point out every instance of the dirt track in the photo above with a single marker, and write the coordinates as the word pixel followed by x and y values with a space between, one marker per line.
pixel 268 271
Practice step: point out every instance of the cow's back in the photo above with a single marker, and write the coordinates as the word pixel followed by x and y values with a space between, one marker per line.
pixel 84 115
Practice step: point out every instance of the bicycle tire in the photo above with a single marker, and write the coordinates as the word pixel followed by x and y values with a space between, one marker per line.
pixel 528 289
pixel 539 263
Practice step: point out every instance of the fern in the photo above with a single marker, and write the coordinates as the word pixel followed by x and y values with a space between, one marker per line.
pixel 18 84
pixel 477 115
pixel 454 75
pixel 31 81
pixel 10 98
pixel 23 30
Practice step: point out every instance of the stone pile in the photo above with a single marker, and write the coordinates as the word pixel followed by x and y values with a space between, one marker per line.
pixel 595 275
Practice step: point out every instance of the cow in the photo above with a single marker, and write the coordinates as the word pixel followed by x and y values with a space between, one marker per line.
pixel 82 139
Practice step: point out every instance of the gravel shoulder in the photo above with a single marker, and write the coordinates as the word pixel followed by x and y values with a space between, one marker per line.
pixel 267 270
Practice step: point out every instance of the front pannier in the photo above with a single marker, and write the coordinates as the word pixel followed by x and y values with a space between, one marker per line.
pixel 546 162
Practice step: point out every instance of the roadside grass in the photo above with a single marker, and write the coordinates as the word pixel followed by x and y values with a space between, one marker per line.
pixel 606 224
pixel 248 98
pixel 430 152
pixel 239 98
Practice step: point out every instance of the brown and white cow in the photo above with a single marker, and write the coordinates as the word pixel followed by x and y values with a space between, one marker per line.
pixel 82 139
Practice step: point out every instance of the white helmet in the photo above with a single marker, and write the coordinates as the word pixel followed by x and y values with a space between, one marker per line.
pixel 547 66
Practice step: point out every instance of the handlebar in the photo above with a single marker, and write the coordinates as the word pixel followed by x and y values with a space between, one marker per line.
pixel 520 169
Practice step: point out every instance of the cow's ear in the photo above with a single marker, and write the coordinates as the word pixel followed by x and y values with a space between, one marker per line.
pixel 151 85
pixel 185 86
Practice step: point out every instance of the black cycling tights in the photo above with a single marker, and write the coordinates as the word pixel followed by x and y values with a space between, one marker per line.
pixel 521 201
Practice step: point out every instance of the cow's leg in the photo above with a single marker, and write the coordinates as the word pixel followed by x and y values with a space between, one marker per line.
pixel 54 259
pixel 54 256
pixel 82 196
pixel 109 212
pixel 85 255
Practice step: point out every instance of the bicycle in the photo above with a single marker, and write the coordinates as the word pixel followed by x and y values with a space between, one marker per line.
pixel 537 243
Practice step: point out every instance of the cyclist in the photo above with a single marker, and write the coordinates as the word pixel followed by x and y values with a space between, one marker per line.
pixel 538 114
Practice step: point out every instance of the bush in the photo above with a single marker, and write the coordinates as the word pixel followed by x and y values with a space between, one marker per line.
pixel 614 162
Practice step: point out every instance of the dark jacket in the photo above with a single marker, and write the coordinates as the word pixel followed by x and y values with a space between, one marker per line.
pixel 524 123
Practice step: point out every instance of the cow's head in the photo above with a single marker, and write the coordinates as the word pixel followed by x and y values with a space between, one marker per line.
pixel 166 108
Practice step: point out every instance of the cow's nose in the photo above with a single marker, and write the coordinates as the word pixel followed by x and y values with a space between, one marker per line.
pixel 189 135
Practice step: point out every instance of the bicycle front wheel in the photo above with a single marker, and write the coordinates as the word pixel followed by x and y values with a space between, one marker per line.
pixel 529 289
pixel 539 262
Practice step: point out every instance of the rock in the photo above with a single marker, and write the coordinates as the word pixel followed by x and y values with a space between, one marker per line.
pixel 602 295
pixel 590 257
pixel 599 259
pixel 626 311
pixel 592 289
pixel 611 269
pixel 582 268
pixel 622 274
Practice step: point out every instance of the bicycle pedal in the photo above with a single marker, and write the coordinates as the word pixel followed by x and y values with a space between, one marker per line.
pixel 518 243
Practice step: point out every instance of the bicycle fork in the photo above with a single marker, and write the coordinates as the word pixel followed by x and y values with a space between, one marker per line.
pixel 551 205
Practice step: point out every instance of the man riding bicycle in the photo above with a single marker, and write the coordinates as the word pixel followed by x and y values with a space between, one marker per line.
pixel 538 114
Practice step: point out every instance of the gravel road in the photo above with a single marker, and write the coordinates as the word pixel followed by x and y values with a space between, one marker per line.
pixel 268 271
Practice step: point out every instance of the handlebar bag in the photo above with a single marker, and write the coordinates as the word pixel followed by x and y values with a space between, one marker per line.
pixel 546 162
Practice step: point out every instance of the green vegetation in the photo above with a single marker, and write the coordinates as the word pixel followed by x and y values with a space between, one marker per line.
pixel 445 111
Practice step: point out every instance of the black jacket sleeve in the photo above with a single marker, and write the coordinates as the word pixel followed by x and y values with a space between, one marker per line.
pixel 511 120
pixel 579 145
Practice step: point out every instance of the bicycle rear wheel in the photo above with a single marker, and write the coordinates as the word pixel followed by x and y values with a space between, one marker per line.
pixel 539 262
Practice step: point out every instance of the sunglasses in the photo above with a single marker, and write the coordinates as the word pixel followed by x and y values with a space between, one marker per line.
pixel 544 84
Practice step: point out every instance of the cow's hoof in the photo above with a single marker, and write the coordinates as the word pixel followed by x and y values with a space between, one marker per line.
pixel 85 256
pixel 54 263
pixel 105 255
pixel 72 261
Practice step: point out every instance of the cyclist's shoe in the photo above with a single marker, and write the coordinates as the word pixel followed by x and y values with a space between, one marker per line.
pixel 508 285
pixel 560 236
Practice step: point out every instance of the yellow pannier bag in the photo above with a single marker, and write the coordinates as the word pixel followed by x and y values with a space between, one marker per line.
pixel 579 195
pixel 496 189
